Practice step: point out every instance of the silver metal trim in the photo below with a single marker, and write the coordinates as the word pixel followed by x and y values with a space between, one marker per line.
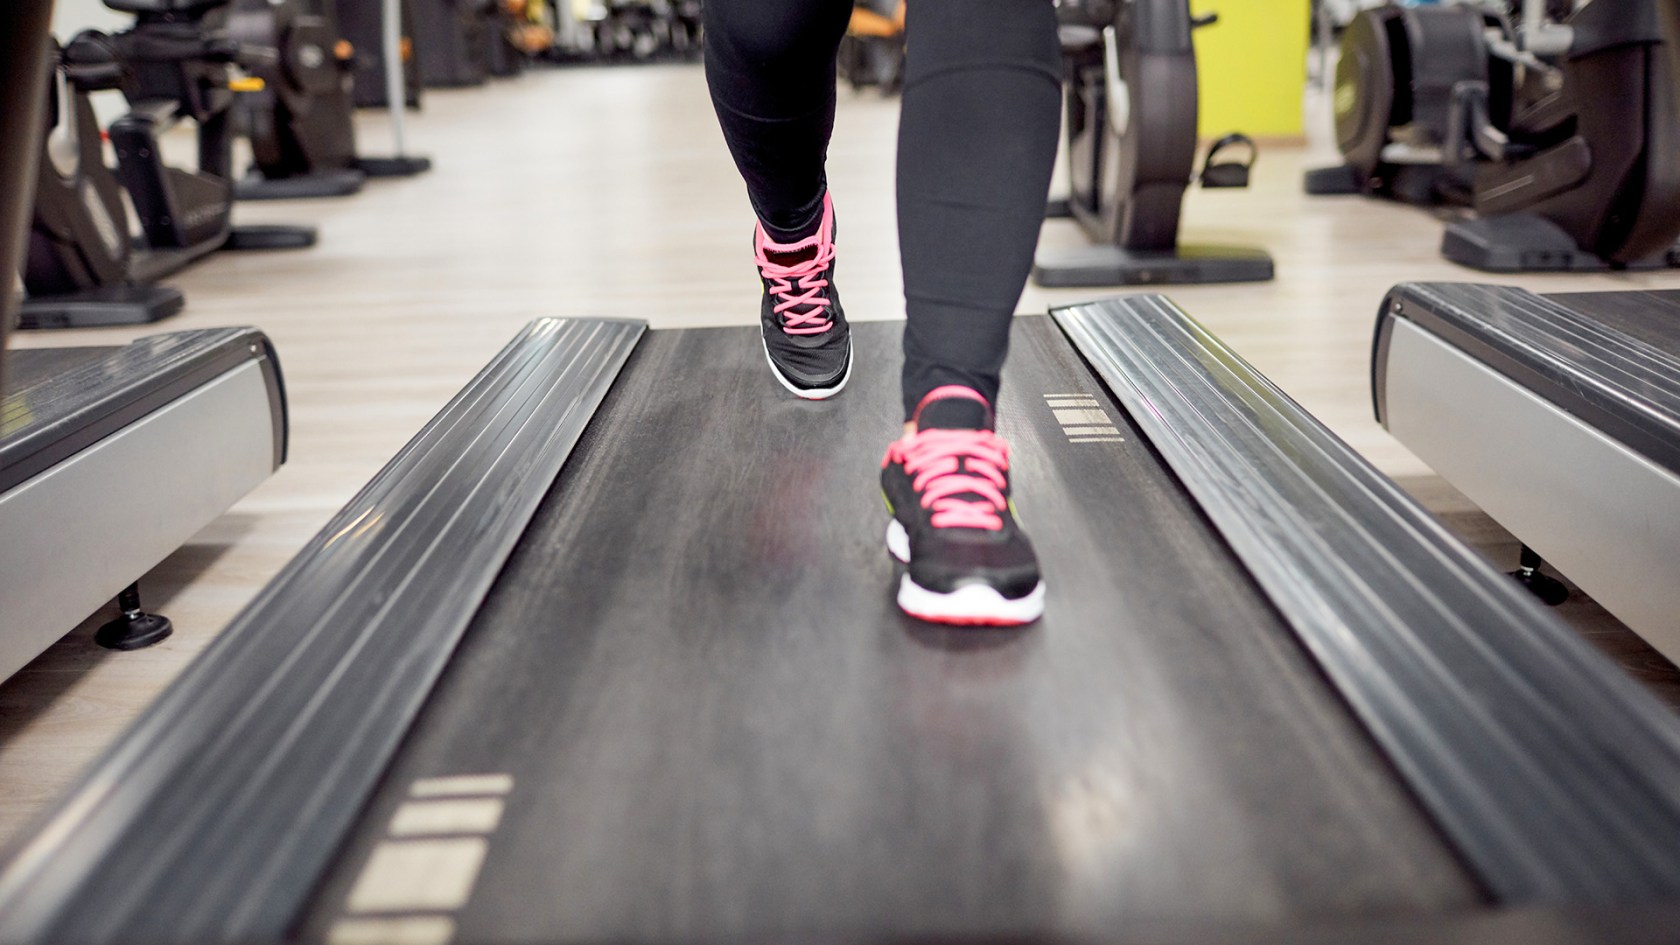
pixel 1599 512
pixel 73 536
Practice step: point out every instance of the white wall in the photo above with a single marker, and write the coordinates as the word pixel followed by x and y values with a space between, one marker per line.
pixel 69 16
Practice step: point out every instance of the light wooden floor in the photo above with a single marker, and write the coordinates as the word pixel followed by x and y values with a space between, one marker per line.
pixel 607 192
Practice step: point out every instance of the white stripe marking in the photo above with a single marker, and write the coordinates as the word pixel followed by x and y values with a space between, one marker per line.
pixel 1086 417
pixel 431 818
pixel 1083 431
pixel 1096 439
pixel 418 875
pixel 411 930
pixel 462 785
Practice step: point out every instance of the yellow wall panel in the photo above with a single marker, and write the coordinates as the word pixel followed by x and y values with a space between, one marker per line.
pixel 1251 66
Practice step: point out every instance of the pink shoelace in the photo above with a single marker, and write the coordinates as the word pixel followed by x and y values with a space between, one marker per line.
pixel 803 307
pixel 950 468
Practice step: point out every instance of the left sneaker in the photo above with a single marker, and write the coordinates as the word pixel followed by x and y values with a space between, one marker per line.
pixel 947 486
pixel 806 338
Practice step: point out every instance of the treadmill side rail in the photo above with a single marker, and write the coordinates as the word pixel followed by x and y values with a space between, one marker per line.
pixel 1610 358
pixel 63 400
pixel 1555 776
pixel 223 802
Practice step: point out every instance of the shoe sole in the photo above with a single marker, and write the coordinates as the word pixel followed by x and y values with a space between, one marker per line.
pixel 974 605
pixel 808 393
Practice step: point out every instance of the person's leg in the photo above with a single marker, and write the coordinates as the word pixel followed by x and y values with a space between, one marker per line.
pixel 770 68
pixel 976 145
pixel 977 138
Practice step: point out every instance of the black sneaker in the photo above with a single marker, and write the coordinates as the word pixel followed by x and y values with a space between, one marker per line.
pixel 805 335
pixel 947 487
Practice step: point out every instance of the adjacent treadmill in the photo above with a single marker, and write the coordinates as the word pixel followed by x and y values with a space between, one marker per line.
pixel 1557 414
pixel 113 457
pixel 609 652
pixel 110 458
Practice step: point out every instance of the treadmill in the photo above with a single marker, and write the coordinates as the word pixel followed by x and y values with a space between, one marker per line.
pixel 609 651
pixel 1559 415
pixel 110 457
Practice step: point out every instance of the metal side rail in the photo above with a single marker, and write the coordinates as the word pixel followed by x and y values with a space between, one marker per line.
pixel 211 819
pixel 1610 358
pixel 80 396
pixel 1554 775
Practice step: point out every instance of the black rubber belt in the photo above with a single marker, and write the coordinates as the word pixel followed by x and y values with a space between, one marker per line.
pixel 1555 776
pixel 212 818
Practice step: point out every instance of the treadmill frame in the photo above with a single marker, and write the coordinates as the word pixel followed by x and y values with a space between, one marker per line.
pixel 1555 776
pixel 1562 427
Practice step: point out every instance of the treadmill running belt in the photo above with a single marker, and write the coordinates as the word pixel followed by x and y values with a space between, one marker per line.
pixel 706 718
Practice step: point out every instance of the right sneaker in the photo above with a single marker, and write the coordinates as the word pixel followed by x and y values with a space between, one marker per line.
pixel 806 339
pixel 953 524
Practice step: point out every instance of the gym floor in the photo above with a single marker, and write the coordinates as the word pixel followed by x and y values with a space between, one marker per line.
pixel 607 192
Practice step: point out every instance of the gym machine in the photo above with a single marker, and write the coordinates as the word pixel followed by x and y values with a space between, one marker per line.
pixel 453 40
pixel 1131 143
pixel 110 457
pixel 363 25
pixel 1557 128
pixel 300 124
pixel 1392 98
pixel 175 63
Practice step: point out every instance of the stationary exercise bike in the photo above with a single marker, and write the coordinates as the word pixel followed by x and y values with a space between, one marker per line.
pixel 1580 169
pixel 1393 97
pixel 1131 99
pixel 176 62
pixel 300 124
pixel 78 269
pixel 1558 128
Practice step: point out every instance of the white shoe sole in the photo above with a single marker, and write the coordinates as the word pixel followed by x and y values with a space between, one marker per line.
pixel 972 605
pixel 808 393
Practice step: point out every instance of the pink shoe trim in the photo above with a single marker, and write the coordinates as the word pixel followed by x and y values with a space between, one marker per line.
pixel 799 288
pixel 949 391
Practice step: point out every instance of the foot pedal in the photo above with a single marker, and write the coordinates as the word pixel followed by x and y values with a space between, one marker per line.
pixel 1228 173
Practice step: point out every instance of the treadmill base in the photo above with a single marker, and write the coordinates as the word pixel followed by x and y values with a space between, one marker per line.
pixel 1105 265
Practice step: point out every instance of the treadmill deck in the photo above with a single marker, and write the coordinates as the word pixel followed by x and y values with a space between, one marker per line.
pixel 705 717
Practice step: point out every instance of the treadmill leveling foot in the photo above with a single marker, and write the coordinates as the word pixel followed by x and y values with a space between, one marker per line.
pixel 135 629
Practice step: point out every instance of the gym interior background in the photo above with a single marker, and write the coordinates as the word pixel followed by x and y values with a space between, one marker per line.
pixel 595 183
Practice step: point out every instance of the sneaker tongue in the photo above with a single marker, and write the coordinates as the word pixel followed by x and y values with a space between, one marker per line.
pixel 954 413
pixel 791 257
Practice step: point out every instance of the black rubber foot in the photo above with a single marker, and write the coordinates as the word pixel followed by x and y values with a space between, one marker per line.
pixel 97 308
pixel 1520 242
pixel 336 183
pixel 270 237
pixel 394 166
pixel 1551 591
pixel 1333 181
pixel 133 631
pixel 1057 208
pixel 1104 265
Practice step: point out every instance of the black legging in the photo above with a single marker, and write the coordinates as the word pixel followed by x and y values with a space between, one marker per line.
pixel 976 141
